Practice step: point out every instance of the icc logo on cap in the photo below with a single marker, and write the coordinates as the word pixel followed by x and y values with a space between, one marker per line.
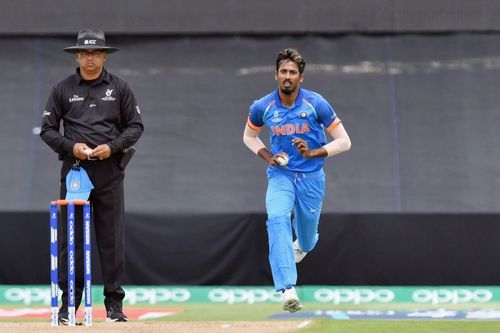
pixel 75 185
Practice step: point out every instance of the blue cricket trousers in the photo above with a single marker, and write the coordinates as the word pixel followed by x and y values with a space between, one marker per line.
pixel 303 194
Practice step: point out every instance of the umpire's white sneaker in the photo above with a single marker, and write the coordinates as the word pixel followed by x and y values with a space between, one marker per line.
pixel 290 300
pixel 299 254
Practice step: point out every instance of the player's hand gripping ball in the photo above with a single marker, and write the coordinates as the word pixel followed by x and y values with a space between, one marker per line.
pixel 283 160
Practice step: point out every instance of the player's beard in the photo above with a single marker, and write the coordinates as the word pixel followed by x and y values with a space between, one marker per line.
pixel 288 90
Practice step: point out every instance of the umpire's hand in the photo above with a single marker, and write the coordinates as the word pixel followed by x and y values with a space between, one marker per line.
pixel 80 151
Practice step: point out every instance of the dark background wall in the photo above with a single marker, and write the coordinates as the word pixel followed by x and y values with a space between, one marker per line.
pixel 415 82
pixel 254 17
pixel 422 113
pixel 231 249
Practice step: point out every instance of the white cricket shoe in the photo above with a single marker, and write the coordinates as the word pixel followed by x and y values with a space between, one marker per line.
pixel 290 300
pixel 299 254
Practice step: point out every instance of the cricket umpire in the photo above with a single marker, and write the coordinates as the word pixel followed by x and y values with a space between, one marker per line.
pixel 100 119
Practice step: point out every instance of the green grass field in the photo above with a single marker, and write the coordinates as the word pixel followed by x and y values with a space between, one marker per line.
pixel 206 309
pixel 205 312
pixel 244 312
pixel 396 326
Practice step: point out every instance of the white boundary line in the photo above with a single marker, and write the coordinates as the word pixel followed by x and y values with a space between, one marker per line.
pixel 304 324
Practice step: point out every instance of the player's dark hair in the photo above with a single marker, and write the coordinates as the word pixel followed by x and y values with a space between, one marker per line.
pixel 291 55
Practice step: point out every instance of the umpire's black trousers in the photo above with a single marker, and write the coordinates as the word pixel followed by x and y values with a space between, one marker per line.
pixel 107 201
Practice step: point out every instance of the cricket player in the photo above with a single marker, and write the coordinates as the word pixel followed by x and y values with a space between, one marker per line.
pixel 296 119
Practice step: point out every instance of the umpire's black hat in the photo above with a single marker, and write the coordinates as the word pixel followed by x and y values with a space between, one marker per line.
pixel 90 39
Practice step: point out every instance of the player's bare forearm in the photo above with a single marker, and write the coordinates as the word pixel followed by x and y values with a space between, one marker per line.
pixel 267 156
pixel 304 150
pixel 272 159
pixel 315 153
pixel 252 141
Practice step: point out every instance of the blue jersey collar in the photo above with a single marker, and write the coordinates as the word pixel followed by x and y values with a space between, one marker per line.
pixel 298 101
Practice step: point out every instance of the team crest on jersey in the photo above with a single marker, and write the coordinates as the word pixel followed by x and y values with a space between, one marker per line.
pixel 276 117
pixel 108 97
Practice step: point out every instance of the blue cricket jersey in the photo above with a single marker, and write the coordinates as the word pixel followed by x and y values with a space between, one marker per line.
pixel 306 119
